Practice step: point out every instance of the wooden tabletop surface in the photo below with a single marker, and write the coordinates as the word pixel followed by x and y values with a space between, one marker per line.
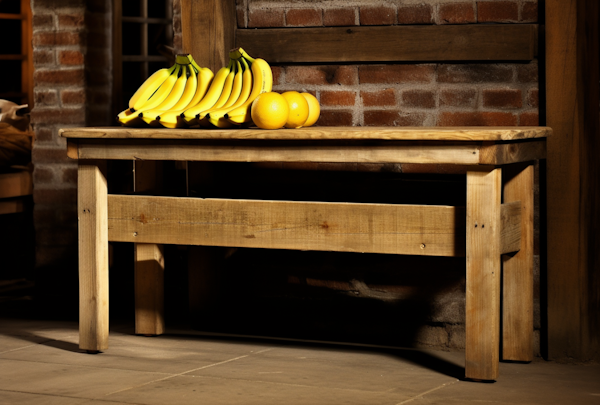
pixel 316 133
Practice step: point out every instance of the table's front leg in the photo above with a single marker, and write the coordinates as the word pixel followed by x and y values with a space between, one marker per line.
pixel 93 256
pixel 483 274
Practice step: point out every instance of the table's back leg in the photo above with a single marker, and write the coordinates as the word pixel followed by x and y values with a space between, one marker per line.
pixel 517 300
pixel 149 262
pixel 483 274
pixel 93 257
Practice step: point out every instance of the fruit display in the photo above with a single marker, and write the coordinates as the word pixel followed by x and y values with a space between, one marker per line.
pixel 238 95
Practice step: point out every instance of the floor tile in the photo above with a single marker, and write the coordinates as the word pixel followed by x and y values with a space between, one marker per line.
pixel 25 398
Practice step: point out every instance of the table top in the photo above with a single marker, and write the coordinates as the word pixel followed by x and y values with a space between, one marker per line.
pixel 490 134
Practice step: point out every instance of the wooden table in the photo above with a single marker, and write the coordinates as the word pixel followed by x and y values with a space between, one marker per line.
pixel 497 219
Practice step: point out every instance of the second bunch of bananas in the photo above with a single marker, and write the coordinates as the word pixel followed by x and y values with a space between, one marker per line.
pixel 186 95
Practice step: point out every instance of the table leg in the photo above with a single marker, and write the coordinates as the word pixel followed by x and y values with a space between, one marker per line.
pixel 93 257
pixel 517 270
pixel 483 274
pixel 149 289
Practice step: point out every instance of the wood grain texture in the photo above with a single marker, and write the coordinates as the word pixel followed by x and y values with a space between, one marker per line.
pixel 208 31
pixel 149 289
pixel 466 153
pixel 507 153
pixel 318 133
pixel 483 274
pixel 510 220
pixel 573 179
pixel 12 206
pixel 15 184
pixel 93 257
pixel 345 227
pixel 392 43
pixel 517 270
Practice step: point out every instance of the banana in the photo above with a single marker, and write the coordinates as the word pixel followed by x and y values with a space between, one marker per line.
pixel 147 89
pixel 212 95
pixel 262 82
pixel 216 117
pixel 236 91
pixel 186 97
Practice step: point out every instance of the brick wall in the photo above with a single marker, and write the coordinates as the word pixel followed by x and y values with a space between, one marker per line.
pixel 431 94
pixel 71 88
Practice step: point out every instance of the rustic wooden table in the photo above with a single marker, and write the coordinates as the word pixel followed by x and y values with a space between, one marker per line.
pixel 494 231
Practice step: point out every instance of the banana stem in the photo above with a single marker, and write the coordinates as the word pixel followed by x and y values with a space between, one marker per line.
pixel 245 55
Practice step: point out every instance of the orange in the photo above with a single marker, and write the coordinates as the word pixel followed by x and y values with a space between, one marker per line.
pixel 314 109
pixel 298 109
pixel 269 111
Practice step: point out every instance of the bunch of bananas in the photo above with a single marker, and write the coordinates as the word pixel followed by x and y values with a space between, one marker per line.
pixel 187 95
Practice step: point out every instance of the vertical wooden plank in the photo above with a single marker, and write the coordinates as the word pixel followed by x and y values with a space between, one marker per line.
pixel 27 51
pixel 149 285
pixel 117 54
pixel 517 271
pixel 208 31
pixel 573 179
pixel 93 257
pixel 149 261
pixel 144 37
pixel 483 274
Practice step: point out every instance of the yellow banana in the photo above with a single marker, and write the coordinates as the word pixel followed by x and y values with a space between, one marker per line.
pixel 262 82
pixel 233 97
pixel 147 89
pixel 216 117
pixel 191 84
pixel 212 95
pixel 173 118
pixel 175 94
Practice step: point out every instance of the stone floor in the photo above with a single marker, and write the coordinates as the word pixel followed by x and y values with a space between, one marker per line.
pixel 40 363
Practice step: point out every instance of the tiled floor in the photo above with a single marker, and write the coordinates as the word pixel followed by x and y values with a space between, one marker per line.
pixel 40 363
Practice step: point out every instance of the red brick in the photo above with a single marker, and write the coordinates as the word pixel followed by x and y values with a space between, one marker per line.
pixel 529 12
pixel 44 134
pixel 396 73
pixel 178 43
pixel 457 13
pixel 54 196
pixel 266 18
pixel 43 57
pixel 70 58
pixel 337 98
pixel 480 73
pixel 533 98
pixel 71 21
pixel 345 74
pixel 497 11
pixel 477 118
pixel 70 76
pixel 41 21
pixel 393 118
pixel 335 118
pixel 527 73
pixel 41 155
pixel 57 38
pixel 45 97
pixel 304 17
pixel 277 72
pixel 58 116
pixel 458 98
pixel 69 96
pixel 69 176
pixel 418 98
pixel 339 17
pixel 43 175
pixel 415 14
pixel 529 119
pixel 241 19
pixel 503 98
pixel 380 15
pixel 380 98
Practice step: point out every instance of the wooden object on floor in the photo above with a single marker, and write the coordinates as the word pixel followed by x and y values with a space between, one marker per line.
pixel 573 179
pixel 517 269
pixel 149 289
pixel 14 186
pixel 392 44
pixel 93 256
pixel 483 274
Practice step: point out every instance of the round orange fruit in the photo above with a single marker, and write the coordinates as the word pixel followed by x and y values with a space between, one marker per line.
pixel 298 109
pixel 314 109
pixel 270 111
